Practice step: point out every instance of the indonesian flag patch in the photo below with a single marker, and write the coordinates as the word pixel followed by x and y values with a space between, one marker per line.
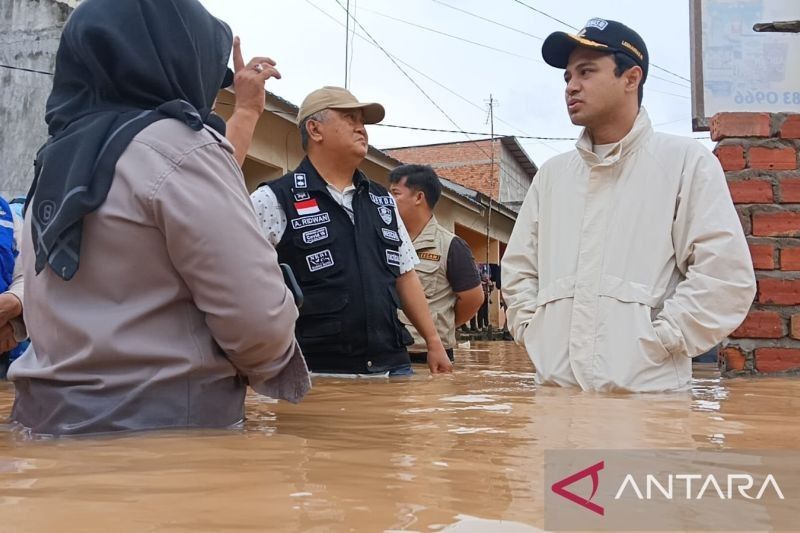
pixel 307 207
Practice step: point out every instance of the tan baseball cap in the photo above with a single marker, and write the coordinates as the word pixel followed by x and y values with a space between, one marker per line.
pixel 339 98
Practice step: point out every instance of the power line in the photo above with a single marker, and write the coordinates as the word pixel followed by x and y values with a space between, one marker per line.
pixel 488 20
pixel 546 15
pixel 435 130
pixel 26 70
pixel 484 134
pixel 432 101
pixel 520 2
pixel 416 128
pixel 462 132
pixel 670 72
pixel 535 36
pixel 432 80
pixel 670 94
pixel 679 84
pixel 412 80
pixel 426 28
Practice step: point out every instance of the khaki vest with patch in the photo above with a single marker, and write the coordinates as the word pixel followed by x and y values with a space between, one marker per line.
pixel 432 246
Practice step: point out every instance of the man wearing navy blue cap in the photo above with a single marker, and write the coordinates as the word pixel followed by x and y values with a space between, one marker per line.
pixel 627 258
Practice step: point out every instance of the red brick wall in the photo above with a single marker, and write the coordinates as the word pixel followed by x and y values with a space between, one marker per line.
pixel 467 163
pixel 759 152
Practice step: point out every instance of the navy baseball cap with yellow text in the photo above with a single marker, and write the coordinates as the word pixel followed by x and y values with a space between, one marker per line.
pixel 601 35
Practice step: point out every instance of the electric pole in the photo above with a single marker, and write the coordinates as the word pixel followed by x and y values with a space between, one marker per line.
pixel 346 41
pixel 491 177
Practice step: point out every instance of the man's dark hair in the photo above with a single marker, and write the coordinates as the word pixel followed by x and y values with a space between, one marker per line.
pixel 419 178
pixel 624 63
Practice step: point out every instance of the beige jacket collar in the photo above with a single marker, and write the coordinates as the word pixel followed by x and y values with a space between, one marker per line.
pixel 641 130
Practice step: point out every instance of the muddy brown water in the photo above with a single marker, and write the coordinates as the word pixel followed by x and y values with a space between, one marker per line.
pixel 456 453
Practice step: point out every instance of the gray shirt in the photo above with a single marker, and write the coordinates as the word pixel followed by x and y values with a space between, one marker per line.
pixel 178 302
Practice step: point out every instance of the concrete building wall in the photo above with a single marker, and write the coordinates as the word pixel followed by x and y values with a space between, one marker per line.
pixel 29 35
pixel 514 181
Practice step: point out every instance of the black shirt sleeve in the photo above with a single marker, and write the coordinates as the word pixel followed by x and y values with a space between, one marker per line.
pixel 462 273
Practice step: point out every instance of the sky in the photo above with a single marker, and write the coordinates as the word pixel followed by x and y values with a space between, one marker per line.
pixel 307 38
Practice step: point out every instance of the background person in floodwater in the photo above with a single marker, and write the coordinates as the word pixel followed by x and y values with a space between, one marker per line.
pixel 347 246
pixel 628 257
pixel 12 327
pixel 143 309
pixel 446 268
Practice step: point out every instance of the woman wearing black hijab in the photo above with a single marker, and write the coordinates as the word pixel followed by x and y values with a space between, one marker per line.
pixel 151 295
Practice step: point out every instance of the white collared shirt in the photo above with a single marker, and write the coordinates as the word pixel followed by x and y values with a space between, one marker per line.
pixel 272 218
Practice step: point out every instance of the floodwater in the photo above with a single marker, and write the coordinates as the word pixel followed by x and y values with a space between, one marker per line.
pixel 456 453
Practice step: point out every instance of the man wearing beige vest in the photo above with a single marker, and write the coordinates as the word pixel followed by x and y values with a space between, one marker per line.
pixel 446 268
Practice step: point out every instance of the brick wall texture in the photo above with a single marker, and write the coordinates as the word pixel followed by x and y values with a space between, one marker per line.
pixel 468 163
pixel 759 153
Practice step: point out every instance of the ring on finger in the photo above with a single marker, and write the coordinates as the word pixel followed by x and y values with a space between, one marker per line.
pixel 258 68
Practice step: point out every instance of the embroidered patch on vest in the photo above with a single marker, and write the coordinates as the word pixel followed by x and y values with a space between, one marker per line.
pixel 313 220
pixel 300 181
pixel 307 207
pixel 393 258
pixel 429 256
pixel 391 234
pixel 386 214
pixel 320 260
pixel 315 235
pixel 382 200
pixel 300 196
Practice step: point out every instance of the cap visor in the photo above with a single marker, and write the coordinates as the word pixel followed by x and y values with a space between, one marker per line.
pixel 559 46
pixel 373 112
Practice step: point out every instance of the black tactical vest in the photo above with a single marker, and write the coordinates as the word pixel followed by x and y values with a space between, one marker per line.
pixel 347 271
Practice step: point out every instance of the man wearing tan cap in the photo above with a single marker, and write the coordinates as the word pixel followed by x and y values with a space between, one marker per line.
pixel 343 237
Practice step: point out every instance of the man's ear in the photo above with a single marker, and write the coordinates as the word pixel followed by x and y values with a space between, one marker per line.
pixel 419 198
pixel 633 78
pixel 313 129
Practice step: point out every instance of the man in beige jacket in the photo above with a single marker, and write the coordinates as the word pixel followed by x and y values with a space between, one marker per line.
pixel 628 257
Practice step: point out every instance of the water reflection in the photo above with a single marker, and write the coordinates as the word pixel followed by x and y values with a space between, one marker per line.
pixel 455 453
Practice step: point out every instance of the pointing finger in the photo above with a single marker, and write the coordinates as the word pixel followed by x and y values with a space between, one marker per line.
pixel 238 60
